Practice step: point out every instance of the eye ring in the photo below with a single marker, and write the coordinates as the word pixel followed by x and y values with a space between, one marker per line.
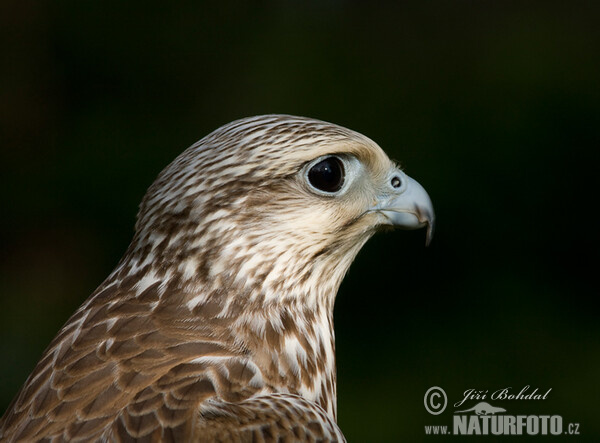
pixel 327 175
pixel 396 182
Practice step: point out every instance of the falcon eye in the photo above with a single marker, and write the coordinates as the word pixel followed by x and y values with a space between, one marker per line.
pixel 327 175
pixel 396 182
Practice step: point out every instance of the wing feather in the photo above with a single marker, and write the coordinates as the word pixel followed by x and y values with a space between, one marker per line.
pixel 269 418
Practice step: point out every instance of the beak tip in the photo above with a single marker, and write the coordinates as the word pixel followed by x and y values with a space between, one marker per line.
pixel 425 215
pixel 429 236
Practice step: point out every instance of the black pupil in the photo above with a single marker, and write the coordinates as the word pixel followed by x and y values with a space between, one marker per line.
pixel 327 175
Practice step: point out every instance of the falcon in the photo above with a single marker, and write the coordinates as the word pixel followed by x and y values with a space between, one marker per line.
pixel 217 323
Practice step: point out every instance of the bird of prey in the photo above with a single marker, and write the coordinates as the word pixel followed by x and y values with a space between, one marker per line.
pixel 217 323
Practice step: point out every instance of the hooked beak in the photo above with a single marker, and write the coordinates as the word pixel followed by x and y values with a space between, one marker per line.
pixel 410 208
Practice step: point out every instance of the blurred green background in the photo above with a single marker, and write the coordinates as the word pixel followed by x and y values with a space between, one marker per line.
pixel 492 106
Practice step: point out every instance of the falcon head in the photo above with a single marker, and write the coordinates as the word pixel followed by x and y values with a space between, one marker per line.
pixel 274 207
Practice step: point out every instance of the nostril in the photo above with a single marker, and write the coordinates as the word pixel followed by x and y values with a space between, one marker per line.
pixel 396 182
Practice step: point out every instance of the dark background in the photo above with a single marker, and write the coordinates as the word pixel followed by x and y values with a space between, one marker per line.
pixel 492 106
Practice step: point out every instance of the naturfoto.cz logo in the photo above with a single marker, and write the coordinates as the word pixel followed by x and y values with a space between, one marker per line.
pixel 483 418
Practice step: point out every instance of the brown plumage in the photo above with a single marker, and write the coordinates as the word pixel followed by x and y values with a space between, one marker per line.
pixel 217 324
